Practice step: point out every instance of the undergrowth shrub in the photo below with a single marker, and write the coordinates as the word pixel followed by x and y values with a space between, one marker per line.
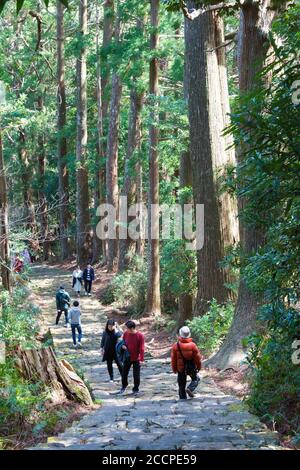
pixel 210 330
pixel 275 386
pixel 129 288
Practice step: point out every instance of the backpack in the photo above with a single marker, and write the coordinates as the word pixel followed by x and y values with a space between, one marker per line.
pixel 122 355
pixel 189 364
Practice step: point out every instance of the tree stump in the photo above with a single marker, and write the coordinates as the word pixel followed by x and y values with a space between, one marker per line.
pixel 42 365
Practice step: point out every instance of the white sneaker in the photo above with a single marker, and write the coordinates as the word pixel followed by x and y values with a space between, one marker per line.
pixel 79 345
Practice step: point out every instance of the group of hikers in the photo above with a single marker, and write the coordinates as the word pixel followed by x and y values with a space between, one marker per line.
pixel 127 348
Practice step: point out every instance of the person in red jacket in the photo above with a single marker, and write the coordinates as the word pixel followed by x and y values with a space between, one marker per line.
pixel 135 344
pixel 186 360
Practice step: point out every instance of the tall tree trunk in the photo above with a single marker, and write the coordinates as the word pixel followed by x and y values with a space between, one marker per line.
pixel 112 155
pixel 4 228
pixel 140 243
pixel 208 100
pixel 185 302
pixel 153 306
pixel 253 48
pixel 99 195
pixel 82 190
pixel 26 180
pixel 43 206
pixel 108 33
pixel 63 185
pixel 129 190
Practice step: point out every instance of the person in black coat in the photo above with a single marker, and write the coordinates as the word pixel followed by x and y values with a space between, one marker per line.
pixel 88 277
pixel 108 347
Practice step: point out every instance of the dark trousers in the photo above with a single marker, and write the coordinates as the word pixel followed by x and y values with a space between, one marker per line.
pixel 182 378
pixel 136 374
pixel 88 286
pixel 77 327
pixel 109 362
pixel 59 315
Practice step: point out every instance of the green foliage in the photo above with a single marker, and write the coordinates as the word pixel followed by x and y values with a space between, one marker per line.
pixel 129 288
pixel 210 330
pixel 18 398
pixel 178 269
pixel 18 324
pixel 178 276
pixel 266 129
pixel 276 380
pixel 20 4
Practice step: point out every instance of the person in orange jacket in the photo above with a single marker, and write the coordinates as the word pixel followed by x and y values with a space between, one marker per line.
pixel 186 360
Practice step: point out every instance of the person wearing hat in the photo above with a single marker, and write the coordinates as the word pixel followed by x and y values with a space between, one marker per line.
pixel 63 301
pixel 186 360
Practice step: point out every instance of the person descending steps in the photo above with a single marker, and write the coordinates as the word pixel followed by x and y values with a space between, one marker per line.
pixel 108 347
pixel 186 360
pixel 77 280
pixel 88 277
pixel 135 344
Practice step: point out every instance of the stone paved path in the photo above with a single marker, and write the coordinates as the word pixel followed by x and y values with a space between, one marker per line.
pixel 154 420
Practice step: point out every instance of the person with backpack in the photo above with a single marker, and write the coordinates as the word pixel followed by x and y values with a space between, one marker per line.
pixel 88 277
pixel 63 302
pixel 108 347
pixel 186 360
pixel 135 347
pixel 74 317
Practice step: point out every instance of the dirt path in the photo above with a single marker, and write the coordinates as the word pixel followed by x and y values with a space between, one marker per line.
pixel 154 420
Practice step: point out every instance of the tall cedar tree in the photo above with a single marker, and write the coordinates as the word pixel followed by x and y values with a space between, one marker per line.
pixel 82 189
pixel 153 306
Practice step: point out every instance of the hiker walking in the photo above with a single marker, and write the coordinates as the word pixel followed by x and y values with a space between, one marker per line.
pixel 63 302
pixel 186 360
pixel 74 317
pixel 88 277
pixel 77 280
pixel 135 345
pixel 18 264
pixel 108 347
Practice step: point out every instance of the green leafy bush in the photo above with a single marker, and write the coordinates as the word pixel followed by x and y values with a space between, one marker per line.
pixel 178 273
pixel 18 398
pixel 129 288
pixel 275 387
pixel 19 321
pixel 210 330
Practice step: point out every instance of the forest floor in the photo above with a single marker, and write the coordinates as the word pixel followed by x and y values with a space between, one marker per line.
pixel 156 419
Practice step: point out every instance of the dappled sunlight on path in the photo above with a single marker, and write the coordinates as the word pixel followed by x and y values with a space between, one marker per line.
pixel 155 419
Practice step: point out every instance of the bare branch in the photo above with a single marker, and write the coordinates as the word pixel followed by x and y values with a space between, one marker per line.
pixel 193 14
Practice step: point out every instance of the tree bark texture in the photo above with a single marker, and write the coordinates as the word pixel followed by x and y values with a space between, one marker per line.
pixel 63 184
pixel 82 192
pixel 153 306
pixel 208 104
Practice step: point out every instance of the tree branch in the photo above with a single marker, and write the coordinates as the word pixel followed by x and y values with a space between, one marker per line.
pixel 193 14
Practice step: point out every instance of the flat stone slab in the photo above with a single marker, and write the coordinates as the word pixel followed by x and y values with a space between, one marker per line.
pixel 157 419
